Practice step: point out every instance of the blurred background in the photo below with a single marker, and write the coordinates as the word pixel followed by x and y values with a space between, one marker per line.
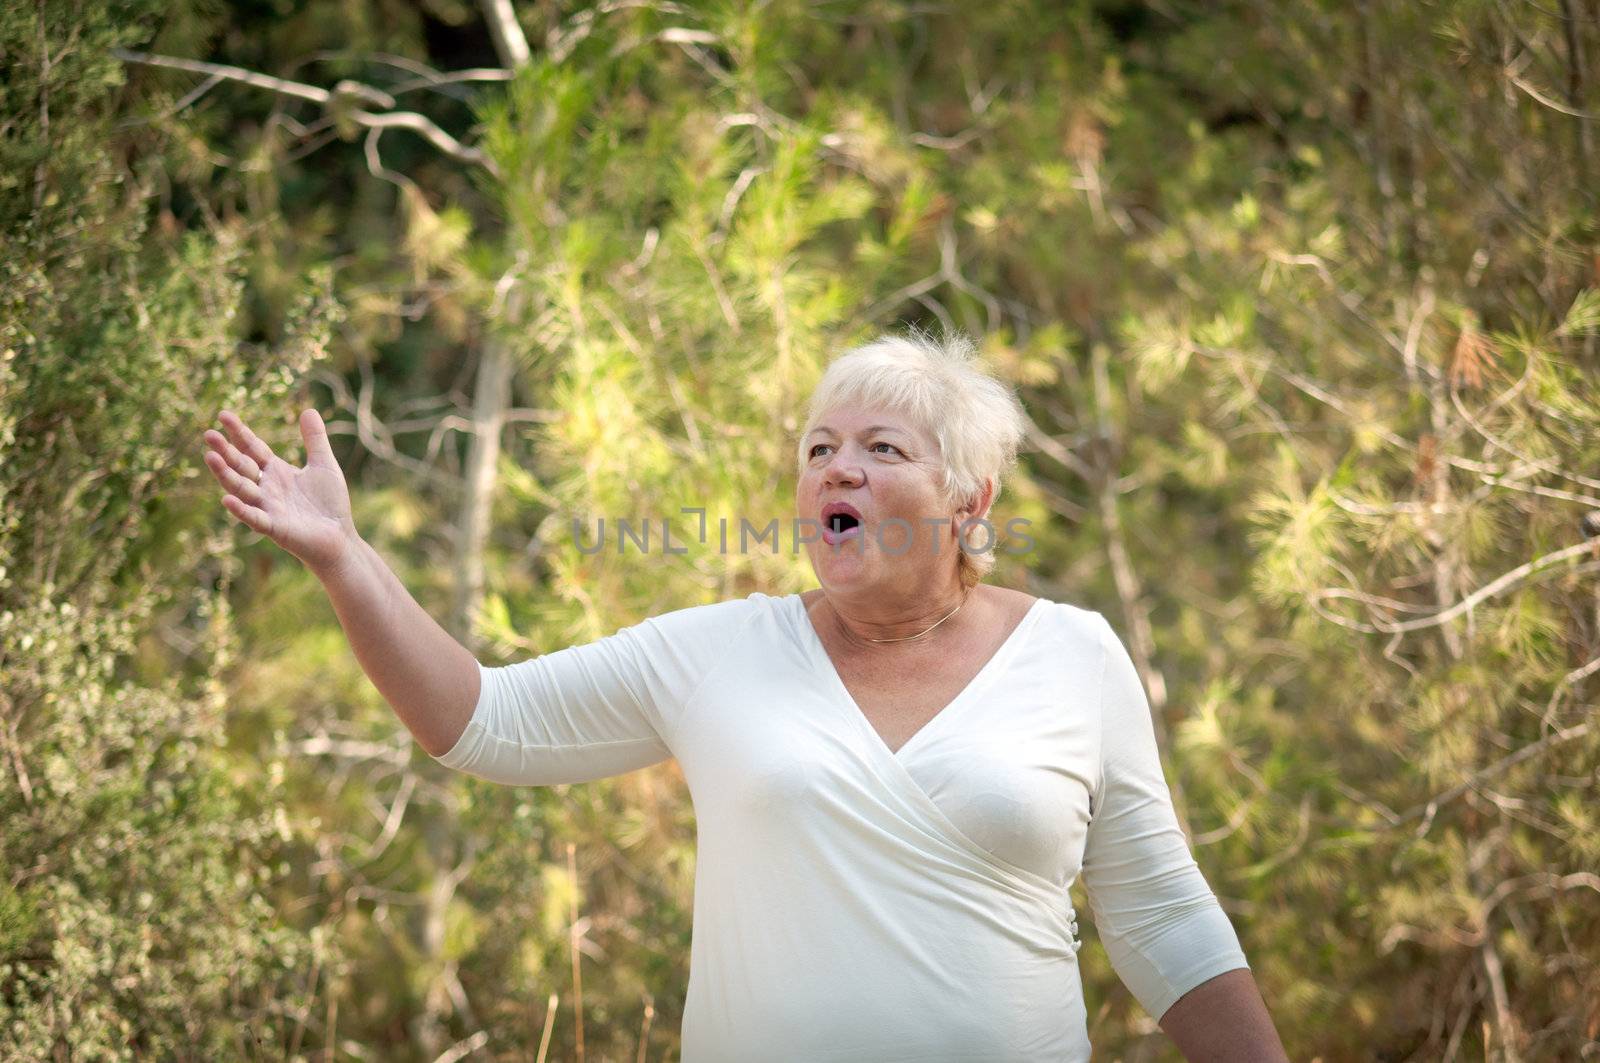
pixel 1302 300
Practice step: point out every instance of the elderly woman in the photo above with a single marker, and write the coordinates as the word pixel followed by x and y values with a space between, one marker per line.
pixel 896 776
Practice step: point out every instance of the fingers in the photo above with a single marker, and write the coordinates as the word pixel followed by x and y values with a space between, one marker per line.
pixel 248 515
pixel 315 433
pixel 239 463
pixel 246 489
pixel 247 441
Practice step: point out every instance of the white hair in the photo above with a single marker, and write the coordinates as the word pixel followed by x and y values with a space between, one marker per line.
pixel 944 389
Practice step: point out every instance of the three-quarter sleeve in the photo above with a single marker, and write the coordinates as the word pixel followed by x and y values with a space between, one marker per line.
pixel 594 710
pixel 1161 924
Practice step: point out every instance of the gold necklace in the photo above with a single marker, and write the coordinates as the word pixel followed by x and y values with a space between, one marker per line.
pixel 905 638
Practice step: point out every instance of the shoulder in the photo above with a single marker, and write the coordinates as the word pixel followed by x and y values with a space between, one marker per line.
pixel 683 649
pixel 713 621
pixel 1079 625
pixel 1011 606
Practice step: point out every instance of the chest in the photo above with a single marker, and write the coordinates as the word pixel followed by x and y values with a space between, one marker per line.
pixel 898 700
pixel 1002 762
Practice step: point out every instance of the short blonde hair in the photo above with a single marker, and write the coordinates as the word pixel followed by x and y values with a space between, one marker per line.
pixel 945 389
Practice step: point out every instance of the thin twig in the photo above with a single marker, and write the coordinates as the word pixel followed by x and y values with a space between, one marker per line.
pixel 350 91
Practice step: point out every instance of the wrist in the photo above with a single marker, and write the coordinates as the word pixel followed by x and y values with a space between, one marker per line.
pixel 340 567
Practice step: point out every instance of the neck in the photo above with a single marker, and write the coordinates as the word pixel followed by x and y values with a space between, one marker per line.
pixel 923 621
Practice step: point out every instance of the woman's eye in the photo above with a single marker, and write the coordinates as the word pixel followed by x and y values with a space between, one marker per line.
pixel 818 446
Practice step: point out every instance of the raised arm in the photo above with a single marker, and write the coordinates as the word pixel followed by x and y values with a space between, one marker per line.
pixel 426 676
pixel 600 708
pixel 1165 933
pixel 580 713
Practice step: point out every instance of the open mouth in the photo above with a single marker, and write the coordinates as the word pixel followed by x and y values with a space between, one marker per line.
pixel 840 521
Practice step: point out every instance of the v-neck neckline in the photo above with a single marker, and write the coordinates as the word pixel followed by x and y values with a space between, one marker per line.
pixel 980 679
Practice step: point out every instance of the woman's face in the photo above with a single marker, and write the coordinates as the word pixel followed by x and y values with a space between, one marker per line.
pixel 889 475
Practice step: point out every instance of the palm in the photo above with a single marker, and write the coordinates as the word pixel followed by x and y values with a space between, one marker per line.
pixel 310 511
pixel 305 509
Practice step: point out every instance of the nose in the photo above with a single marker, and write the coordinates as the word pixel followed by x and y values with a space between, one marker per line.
pixel 841 470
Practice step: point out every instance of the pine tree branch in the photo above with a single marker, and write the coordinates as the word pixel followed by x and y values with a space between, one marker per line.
pixel 347 93
pixel 1503 583
pixel 510 43
pixel 1430 808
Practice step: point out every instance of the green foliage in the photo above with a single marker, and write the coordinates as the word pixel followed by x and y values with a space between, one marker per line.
pixel 133 917
pixel 1303 296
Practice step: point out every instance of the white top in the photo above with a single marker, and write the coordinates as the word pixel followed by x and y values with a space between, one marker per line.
pixel 853 903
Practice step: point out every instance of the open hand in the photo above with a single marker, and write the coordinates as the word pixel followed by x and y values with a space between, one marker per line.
pixel 304 510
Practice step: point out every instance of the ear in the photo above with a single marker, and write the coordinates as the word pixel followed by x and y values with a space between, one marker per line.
pixel 978 506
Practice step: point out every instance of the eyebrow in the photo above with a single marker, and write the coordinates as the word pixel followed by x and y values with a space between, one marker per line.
pixel 865 431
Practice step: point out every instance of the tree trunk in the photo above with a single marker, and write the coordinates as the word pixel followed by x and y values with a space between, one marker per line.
pixel 491 397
